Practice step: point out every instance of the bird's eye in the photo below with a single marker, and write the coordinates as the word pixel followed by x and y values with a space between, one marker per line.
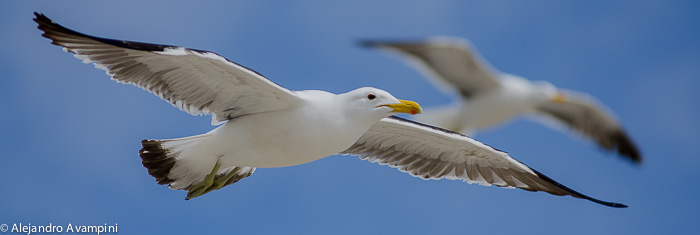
pixel 371 96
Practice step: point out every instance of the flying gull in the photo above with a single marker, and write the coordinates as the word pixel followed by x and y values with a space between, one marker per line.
pixel 263 125
pixel 490 97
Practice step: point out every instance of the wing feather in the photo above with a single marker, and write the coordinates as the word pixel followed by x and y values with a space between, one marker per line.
pixel 450 60
pixel 195 81
pixel 433 153
pixel 587 117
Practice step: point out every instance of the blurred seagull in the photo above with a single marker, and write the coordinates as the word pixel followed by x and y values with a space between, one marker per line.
pixel 265 125
pixel 490 97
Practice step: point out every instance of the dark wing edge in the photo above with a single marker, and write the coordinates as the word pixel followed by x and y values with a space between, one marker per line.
pixel 517 174
pixel 49 27
pixel 577 194
pixel 586 117
pixel 170 72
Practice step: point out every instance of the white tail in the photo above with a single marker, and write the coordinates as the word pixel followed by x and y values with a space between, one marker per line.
pixel 179 164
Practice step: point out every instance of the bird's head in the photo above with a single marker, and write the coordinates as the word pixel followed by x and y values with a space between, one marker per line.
pixel 545 91
pixel 378 103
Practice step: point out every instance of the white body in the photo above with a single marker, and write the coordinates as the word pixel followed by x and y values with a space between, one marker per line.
pixel 514 97
pixel 320 124
pixel 244 142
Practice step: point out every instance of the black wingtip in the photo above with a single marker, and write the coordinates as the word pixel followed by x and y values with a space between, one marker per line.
pixel 43 20
pixel 51 29
pixel 38 15
pixel 617 205
pixel 368 43
pixel 626 147
pixel 390 43
pixel 577 194
pixel 373 43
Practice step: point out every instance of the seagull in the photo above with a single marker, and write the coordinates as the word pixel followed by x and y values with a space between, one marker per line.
pixel 260 124
pixel 489 97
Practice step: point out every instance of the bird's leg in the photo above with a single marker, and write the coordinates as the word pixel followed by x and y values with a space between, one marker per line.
pixel 221 182
pixel 201 188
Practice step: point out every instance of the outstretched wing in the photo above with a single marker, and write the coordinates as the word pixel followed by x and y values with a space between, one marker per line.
pixel 451 60
pixel 433 153
pixel 195 81
pixel 583 115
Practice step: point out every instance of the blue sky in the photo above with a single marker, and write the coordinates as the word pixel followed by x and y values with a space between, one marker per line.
pixel 70 136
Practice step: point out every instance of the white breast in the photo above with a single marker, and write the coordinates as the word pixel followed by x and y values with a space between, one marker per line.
pixel 299 135
pixel 511 99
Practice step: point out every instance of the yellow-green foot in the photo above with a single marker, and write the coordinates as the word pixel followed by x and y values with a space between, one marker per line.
pixel 201 188
pixel 221 182
pixel 210 182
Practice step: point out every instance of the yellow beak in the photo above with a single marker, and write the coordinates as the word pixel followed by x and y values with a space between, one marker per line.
pixel 560 98
pixel 406 106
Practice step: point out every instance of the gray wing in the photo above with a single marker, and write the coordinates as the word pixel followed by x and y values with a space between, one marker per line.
pixel 195 81
pixel 451 60
pixel 433 153
pixel 583 115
